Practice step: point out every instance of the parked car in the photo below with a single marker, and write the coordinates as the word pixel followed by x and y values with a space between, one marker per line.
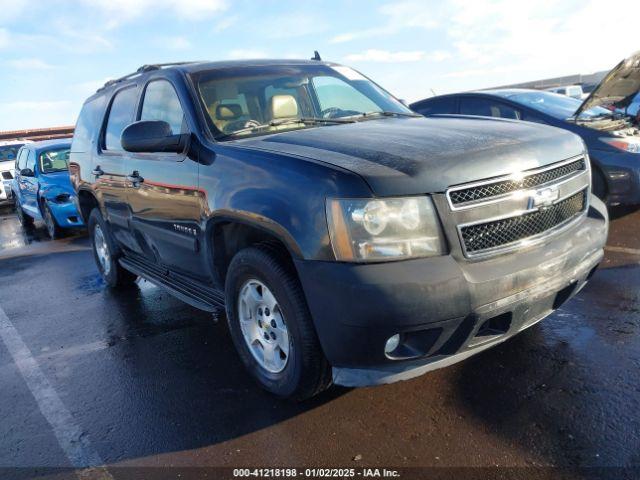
pixel 573 91
pixel 349 239
pixel 613 139
pixel 42 189
pixel 8 153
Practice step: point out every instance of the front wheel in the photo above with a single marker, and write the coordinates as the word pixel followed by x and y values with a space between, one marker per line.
pixel 271 325
pixel 53 229
pixel 106 253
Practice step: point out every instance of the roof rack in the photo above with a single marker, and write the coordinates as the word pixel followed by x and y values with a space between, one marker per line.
pixel 141 70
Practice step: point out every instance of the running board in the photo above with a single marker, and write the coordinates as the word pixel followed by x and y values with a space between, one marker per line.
pixel 195 294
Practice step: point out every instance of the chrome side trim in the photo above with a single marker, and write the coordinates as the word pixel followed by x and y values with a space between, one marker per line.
pixel 513 177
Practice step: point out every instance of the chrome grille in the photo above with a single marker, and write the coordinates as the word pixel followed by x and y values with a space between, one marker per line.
pixel 483 237
pixel 488 190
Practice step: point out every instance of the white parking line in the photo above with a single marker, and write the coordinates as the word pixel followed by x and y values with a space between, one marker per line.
pixel 72 440
pixel 630 251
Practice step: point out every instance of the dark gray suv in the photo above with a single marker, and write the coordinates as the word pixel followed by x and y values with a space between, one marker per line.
pixel 350 240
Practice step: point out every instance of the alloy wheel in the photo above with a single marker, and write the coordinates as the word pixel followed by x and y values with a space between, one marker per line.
pixel 263 326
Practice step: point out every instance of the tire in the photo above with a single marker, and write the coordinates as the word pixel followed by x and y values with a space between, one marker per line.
pixel 24 219
pixel 306 371
pixel 106 253
pixel 599 185
pixel 53 229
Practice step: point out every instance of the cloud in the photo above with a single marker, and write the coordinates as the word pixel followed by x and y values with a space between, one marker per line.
pixel 385 56
pixel 292 25
pixel 398 16
pixel 123 11
pixel 4 38
pixel 11 9
pixel 244 54
pixel 225 23
pixel 175 43
pixel 35 114
pixel 28 64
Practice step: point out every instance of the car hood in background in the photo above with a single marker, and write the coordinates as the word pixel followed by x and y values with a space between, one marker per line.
pixel 405 156
pixel 619 86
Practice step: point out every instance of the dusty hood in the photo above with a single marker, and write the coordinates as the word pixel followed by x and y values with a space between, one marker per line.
pixel 406 156
pixel 620 86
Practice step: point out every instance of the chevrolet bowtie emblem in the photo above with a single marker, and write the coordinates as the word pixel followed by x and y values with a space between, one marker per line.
pixel 543 198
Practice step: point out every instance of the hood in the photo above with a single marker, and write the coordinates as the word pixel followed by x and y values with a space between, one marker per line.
pixel 619 86
pixel 404 156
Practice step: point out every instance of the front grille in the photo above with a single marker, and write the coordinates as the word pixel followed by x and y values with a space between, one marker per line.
pixel 500 233
pixel 488 190
pixel 7 176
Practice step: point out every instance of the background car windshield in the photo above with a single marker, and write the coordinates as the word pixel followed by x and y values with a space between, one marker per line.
pixel 558 106
pixel 237 99
pixel 54 160
pixel 9 152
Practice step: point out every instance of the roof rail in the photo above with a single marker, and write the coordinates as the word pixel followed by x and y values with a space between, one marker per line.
pixel 140 71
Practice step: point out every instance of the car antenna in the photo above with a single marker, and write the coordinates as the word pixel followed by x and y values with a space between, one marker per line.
pixel 316 56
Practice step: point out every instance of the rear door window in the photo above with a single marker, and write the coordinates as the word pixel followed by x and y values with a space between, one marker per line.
pixel 444 105
pixel 487 107
pixel 121 115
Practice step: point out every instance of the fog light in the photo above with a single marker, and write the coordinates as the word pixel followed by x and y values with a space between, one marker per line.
pixel 392 344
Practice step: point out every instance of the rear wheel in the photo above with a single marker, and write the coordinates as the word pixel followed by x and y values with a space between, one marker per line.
pixel 271 325
pixel 106 253
pixel 24 219
pixel 53 229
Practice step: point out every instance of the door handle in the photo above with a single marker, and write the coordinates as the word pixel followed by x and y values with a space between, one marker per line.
pixel 135 178
pixel 97 171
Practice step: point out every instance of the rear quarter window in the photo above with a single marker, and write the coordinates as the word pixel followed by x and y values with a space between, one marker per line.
pixel 87 125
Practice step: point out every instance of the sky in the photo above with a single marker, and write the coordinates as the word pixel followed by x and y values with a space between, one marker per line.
pixel 55 53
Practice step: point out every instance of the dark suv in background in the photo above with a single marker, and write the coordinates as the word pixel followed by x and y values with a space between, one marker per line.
pixel 349 239
pixel 607 121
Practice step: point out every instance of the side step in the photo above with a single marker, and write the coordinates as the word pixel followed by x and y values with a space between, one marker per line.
pixel 195 294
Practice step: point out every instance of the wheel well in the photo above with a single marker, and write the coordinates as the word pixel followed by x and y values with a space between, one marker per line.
pixel 87 203
pixel 230 237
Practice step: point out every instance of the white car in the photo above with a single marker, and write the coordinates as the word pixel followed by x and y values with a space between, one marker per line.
pixel 8 153
pixel 574 91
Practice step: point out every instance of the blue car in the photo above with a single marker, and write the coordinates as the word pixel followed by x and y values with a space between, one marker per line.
pixel 42 189
pixel 607 121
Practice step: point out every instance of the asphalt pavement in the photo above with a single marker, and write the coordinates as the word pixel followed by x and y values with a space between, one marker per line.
pixel 137 378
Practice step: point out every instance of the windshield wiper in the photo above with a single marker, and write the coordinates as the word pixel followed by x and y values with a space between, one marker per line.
pixel 385 114
pixel 288 121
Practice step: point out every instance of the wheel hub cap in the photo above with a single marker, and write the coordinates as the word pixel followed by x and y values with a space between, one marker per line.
pixel 263 326
pixel 102 250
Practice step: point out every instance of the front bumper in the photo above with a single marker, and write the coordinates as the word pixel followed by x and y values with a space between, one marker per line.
pixel 66 214
pixel 444 308
pixel 623 176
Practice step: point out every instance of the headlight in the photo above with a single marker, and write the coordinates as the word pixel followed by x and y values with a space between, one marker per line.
pixel 366 230
pixel 631 145
pixel 62 198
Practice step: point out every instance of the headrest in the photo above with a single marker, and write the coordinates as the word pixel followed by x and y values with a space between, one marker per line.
pixel 284 106
pixel 230 111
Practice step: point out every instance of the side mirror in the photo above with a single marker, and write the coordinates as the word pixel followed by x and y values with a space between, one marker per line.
pixel 154 136
pixel 27 172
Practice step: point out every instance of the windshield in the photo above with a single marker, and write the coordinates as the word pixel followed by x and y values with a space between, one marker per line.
pixel 54 160
pixel 9 152
pixel 266 99
pixel 558 106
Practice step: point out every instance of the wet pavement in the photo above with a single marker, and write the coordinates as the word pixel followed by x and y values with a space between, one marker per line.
pixel 145 380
